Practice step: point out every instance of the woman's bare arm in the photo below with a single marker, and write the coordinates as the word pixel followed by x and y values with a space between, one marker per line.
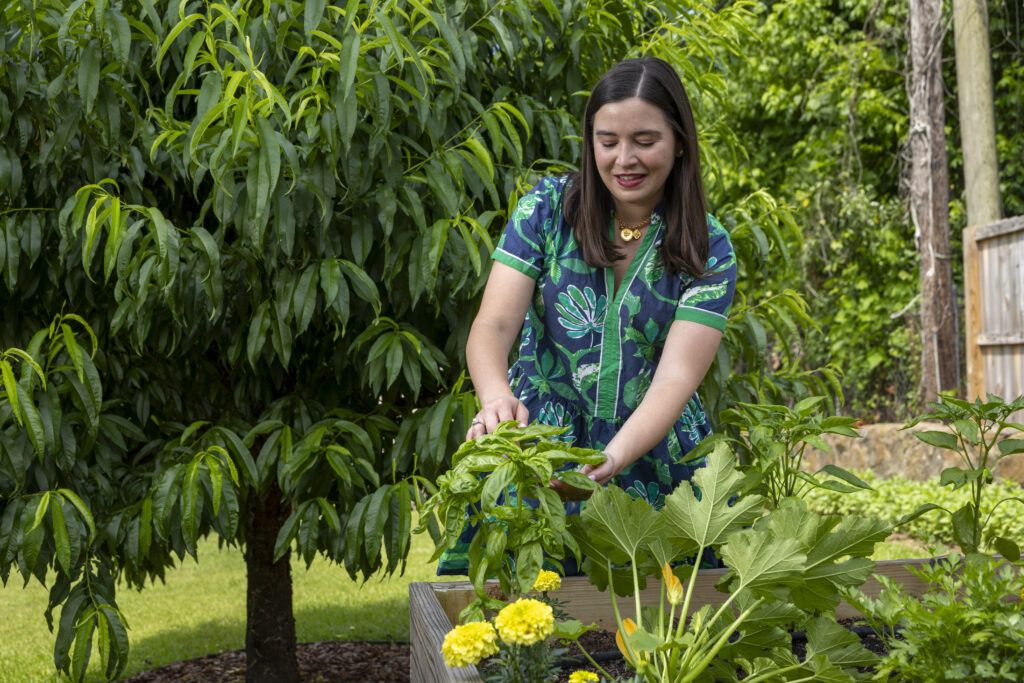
pixel 495 328
pixel 689 350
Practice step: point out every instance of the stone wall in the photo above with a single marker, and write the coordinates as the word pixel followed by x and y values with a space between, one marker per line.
pixel 888 449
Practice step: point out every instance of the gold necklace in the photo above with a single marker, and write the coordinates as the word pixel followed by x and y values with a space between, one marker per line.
pixel 628 233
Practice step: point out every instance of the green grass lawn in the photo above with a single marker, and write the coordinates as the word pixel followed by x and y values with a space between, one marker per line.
pixel 201 609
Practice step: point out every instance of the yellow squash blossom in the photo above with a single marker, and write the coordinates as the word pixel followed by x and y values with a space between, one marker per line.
pixel 673 586
pixel 582 676
pixel 629 626
pixel 547 582
pixel 469 643
pixel 525 622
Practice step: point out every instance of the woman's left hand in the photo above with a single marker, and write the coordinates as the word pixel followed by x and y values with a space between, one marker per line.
pixel 602 474
pixel 605 471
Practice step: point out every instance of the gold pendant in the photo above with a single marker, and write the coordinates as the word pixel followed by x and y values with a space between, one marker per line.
pixel 626 234
pixel 636 233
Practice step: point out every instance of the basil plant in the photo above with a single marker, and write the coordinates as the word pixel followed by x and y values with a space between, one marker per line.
pixel 501 483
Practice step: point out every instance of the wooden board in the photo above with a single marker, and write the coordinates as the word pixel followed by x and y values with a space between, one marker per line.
pixel 428 624
pixel 972 315
pixel 994 308
pixel 434 608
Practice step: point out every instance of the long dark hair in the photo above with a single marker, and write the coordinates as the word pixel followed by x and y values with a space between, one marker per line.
pixel 588 203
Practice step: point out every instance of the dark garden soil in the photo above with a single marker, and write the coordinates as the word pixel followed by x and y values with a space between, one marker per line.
pixel 380 662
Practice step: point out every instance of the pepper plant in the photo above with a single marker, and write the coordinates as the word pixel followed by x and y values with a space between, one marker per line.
pixel 772 439
pixel 501 484
pixel 787 567
pixel 981 433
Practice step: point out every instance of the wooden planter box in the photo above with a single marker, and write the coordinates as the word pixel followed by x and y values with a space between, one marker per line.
pixel 434 608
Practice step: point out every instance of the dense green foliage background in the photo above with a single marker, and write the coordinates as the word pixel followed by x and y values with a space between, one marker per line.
pixel 820 102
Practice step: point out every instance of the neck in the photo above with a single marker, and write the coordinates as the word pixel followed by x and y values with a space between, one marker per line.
pixel 632 213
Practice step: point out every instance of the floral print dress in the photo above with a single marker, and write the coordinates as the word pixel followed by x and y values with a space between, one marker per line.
pixel 588 352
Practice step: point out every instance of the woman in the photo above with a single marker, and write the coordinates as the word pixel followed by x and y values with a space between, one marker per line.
pixel 618 283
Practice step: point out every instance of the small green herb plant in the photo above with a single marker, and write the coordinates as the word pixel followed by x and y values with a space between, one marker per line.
pixel 894 497
pixel 786 569
pixel 771 443
pixel 968 625
pixel 501 482
pixel 978 433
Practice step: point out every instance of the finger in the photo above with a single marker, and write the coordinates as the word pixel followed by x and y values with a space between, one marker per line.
pixel 601 474
pixel 522 414
pixel 490 421
pixel 505 412
pixel 476 428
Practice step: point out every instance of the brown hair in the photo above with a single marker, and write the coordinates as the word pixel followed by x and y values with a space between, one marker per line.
pixel 588 203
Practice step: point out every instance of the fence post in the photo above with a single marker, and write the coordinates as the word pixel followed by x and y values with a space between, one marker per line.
pixel 972 315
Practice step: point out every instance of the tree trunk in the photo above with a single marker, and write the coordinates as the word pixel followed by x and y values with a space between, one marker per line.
pixel 977 111
pixel 270 621
pixel 929 200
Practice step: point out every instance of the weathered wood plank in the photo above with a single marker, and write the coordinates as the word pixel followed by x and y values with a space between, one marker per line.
pixel 1006 226
pixel 428 625
pixel 1001 339
pixel 972 317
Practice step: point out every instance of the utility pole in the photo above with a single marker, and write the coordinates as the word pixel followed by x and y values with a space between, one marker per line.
pixel 929 200
pixel 977 111
pixel 981 165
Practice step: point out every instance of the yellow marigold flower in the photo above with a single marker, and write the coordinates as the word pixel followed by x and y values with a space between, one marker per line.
pixel 469 643
pixel 673 586
pixel 525 622
pixel 582 676
pixel 547 582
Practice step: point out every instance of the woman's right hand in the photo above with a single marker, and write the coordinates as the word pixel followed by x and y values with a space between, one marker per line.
pixel 494 411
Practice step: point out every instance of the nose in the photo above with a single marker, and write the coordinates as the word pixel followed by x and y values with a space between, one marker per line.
pixel 626 155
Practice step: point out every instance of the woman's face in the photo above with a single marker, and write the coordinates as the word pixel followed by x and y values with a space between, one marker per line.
pixel 635 149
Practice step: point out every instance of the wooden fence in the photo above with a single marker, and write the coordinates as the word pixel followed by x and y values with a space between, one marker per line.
pixel 994 294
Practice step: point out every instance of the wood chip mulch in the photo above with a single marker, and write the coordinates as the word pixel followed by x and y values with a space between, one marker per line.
pixel 318 663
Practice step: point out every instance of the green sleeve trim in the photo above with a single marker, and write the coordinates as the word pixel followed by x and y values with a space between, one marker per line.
pixel 699 315
pixel 512 261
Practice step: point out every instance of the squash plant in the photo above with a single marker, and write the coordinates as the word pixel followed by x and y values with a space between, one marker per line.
pixel 786 568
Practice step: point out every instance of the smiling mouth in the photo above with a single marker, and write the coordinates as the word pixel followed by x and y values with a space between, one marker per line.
pixel 629 179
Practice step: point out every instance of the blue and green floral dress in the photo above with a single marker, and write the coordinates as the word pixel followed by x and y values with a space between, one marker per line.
pixel 587 353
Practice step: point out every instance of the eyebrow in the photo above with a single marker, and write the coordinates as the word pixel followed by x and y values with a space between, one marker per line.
pixel 635 133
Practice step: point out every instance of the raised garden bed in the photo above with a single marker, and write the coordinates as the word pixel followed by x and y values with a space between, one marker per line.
pixel 434 609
